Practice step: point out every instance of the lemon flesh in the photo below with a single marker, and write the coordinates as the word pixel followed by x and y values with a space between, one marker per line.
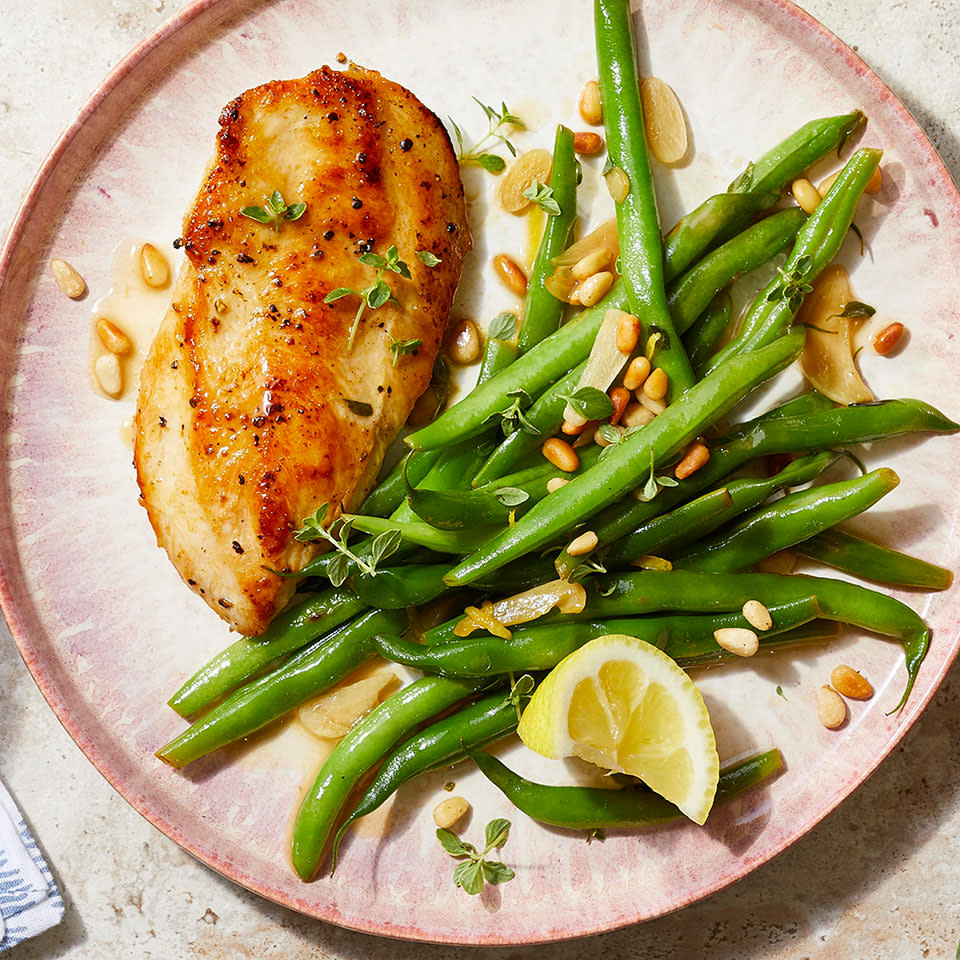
pixel 624 705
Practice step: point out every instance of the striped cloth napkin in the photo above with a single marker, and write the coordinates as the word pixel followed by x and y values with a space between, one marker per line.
pixel 29 900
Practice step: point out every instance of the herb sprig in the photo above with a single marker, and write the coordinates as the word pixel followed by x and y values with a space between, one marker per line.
pixel 477 154
pixel 378 293
pixel 793 286
pixel 514 418
pixel 655 484
pixel 400 348
pixel 542 196
pixel 475 869
pixel 275 212
pixel 337 534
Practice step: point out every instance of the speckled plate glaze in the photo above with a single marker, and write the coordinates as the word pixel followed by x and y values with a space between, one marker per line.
pixel 106 627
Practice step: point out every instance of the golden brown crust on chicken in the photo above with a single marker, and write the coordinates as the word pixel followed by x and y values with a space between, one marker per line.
pixel 242 424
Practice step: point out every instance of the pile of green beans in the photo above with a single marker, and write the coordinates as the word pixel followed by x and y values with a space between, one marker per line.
pixel 474 513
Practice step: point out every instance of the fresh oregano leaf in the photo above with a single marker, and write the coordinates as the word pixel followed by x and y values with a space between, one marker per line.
pixel 497 833
pixel 511 496
pixel 427 258
pixel 469 876
pixel 359 407
pixel 496 872
pixel 503 326
pixel 591 403
pixel 855 310
pixel 453 844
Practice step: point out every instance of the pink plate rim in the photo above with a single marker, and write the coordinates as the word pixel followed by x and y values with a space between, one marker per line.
pixel 57 702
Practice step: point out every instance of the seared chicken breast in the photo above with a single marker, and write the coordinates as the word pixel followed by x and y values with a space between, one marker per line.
pixel 254 406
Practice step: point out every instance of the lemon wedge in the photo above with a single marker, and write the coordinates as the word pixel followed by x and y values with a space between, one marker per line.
pixel 624 705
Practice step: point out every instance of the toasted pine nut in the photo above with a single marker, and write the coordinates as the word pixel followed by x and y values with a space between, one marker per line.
pixel 696 456
pixel 831 709
pixel 656 407
pixel 108 373
pixel 463 347
pixel 628 333
pixel 555 483
pixel 574 429
pixel 591 109
pixel 888 338
pixel 153 266
pixel 67 278
pixel 738 640
pixel 447 812
pixel 591 290
pixel 618 184
pixel 874 183
pixel 824 188
pixel 757 615
pixel 655 386
pixel 560 454
pixel 636 415
pixel 510 274
pixel 637 372
pixel 620 398
pixel 805 193
pixel 600 440
pixel 582 544
pixel 112 337
pixel 587 143
pixel 592 263
pixel 851 683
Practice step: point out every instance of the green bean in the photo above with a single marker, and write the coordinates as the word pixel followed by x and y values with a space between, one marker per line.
pixel 396 588
pixel 871 561
pixel 687 639
pixel 289 631
pixel 695 519
pixel 648 591
pixel 497 355
pixel 758 188
pixel 638 223
pixel 624 463
pixel 443 742
pixel 818 242
pixel 779 433
pixel 691 294
pixel 389 493
pixel 309 673
pixel 365 743
pixel 424 535
pixel 594 808
pixel 702 338
pixel 790 520
pixel 545 415
pixel 542 312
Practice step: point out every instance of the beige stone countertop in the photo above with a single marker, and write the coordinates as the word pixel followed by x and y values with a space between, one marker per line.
pixel 879 878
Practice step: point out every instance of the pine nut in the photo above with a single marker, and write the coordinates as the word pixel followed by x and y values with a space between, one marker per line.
pixel 560 454
pixel 447 812
pixel 831 709
pixel 112 337
pixel 591 109
pixel 463 347
pixel 825 185
pixel 574 429
pixel 153 266
pixel 618 184
pixel 888 338
pixel 806 195
pixel 510 274
pixel 583 544
pixel 737 640
pixel 587 144
pixel 757 615
pixel 108 374
pixel 655 386
pixel 874 183
pixel 628 333
pixel 851 683
pixel 592 263
pixel 620 398
pixel 697 456
pixel 649 562
pixel 594 288
pixel 67 278
pixel 656 407
pixel 555 483
pixel 637 372
pixel 636 415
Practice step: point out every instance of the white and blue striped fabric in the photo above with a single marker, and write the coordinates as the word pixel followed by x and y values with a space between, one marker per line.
pixel 29 900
